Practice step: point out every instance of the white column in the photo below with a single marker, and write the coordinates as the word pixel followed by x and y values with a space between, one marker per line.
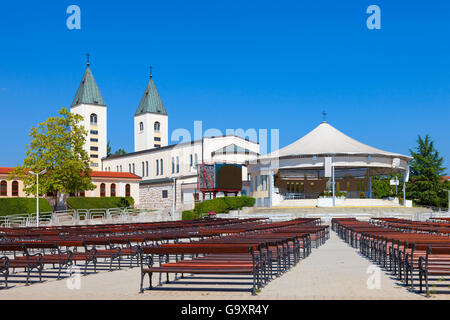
pixel 271 188
pixel 333 184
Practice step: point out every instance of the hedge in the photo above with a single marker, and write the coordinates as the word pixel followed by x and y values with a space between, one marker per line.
pixel 22 205
pixel 189 215
pixel 224 204
pixel 99 203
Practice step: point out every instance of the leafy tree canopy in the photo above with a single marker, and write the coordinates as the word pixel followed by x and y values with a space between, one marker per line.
pixel 120 152
pixel 57 145
pixel 426 185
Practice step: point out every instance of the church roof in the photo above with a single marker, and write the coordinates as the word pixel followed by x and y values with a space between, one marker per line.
pixel 327 140
pixel 232 149
pixel 150 102
pixel 88 91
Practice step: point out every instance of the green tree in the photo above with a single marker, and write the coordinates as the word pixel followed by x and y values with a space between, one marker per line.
pixel 381 186
pixel 426 185
pixel 108 148
pixel 120 152
pixel 57 145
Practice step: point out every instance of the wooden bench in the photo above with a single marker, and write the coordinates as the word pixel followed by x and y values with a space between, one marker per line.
pixel 110 251
pixel 436 262
pixel 26 261
pixel 89 255
pixel 213 266
pixel 4 269
pixel 55 256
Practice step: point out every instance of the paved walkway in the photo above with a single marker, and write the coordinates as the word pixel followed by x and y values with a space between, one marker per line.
pixel 333 271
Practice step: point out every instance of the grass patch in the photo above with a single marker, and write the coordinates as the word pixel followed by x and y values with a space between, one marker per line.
pixel 10 206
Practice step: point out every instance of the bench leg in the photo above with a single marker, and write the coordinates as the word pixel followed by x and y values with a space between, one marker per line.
pixel 150 280
pixel 141 289
pixel 254 285
pixel 40 273
pixel 59 271
pixel 85 267
pixel 28 276
pixel 420 281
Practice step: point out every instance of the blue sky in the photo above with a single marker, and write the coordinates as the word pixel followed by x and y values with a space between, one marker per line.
pixel 233 64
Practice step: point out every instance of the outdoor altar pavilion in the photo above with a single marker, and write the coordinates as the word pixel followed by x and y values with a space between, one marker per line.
pixel 324 160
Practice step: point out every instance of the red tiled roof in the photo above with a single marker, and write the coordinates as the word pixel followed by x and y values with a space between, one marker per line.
pixel 6 169
pixel 447 177
pixel 94 174
pixel 110 174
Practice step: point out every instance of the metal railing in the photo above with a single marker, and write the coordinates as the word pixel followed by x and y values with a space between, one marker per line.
pixel 71 216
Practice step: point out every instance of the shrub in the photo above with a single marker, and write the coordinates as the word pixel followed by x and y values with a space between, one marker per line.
pixel 22 205
pixel 246 201
pixel 189 215
pixel 224 204
pixel 100 203
pixel 218 205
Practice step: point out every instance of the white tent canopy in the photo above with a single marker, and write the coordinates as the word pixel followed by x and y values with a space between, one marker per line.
pixel 327 140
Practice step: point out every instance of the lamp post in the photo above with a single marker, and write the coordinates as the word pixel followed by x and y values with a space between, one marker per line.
pixel 173 198
pixel 37 193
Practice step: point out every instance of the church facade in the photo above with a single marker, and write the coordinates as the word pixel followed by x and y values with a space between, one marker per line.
pixel 168 172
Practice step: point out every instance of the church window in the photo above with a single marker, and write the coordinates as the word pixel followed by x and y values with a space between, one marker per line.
pixel 93 119
pixel 141 127
pixel 102 190
pixel 15 189
pixel 157 126
pixel 3 191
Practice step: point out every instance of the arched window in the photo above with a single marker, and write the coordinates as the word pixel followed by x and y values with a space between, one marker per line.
pixel 3 190
pixel 141 126
pixel 127 190
pixel 93 119
pixel 15 189
pixel 157 126
pixel 102 190
pixel 113 190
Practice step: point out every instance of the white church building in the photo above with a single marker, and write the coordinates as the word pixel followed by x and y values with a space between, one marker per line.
pixel 168 172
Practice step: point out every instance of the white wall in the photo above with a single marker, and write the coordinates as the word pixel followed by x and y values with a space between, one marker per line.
pixel 145 140
pixel 183 152
pixel 85 110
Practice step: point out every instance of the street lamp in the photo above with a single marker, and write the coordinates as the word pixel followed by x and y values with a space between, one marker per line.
pixel 173 198
pixel 37 193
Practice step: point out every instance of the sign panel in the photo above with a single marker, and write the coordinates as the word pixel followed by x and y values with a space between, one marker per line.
pixel 394 182
pixel 327 165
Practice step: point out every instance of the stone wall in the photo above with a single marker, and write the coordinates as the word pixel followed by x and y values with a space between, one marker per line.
pixel 151 196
